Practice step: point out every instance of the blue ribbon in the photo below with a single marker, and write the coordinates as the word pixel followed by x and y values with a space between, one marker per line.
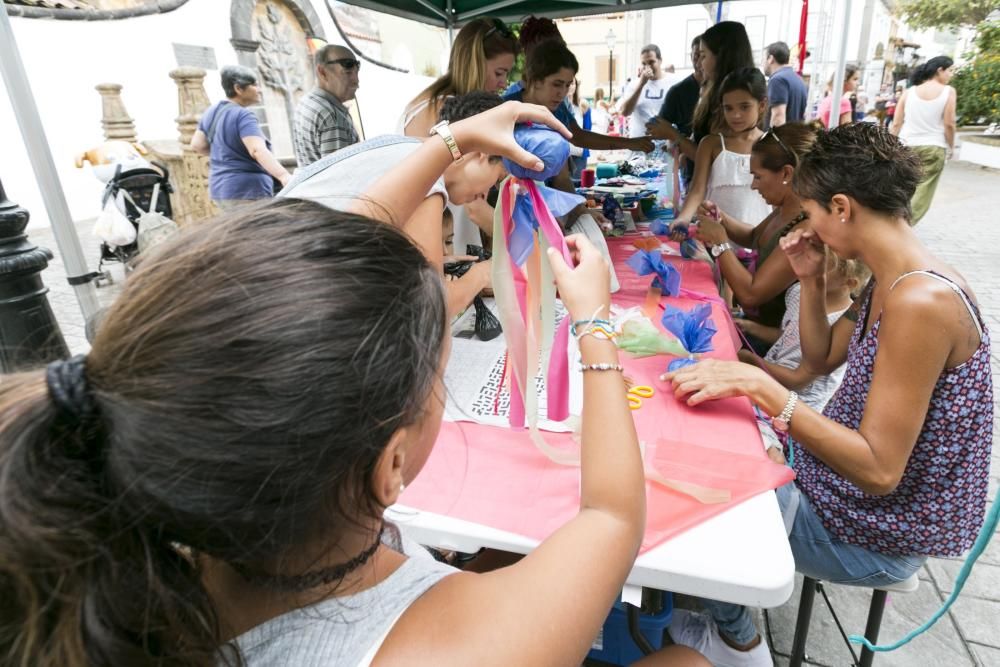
pixel 522 237
pixel 694 328
pixel 667 278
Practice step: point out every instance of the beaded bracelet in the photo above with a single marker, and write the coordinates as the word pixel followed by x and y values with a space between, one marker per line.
pixel 601 367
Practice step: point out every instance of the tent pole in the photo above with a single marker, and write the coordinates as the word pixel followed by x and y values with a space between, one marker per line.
pixel 451 26
pixel 837 91
pixel 28 120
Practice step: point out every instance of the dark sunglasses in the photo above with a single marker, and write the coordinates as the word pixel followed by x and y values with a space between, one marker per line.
pixel 349 64
pixel 500 27
pixel 770 133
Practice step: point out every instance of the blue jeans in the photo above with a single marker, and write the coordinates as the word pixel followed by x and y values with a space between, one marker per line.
pixel 817 555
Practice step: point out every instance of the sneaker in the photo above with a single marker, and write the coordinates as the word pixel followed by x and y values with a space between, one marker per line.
pixel 699 632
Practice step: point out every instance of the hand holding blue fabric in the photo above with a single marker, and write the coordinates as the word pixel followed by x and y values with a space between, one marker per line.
pixel 667 278
pixel 694 329
pixel 553 150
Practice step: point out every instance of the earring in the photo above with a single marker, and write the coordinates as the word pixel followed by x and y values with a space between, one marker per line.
pixel 784 182
pixel 402 487
pixel 842 220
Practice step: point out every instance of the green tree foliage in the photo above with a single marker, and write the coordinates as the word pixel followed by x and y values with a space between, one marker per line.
pixel 977 87
pixel 946 14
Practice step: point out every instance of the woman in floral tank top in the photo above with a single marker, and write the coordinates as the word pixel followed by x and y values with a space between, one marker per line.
pixel 896 468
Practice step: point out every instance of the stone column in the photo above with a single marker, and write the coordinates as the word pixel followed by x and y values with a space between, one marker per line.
pixel 192 179
pixel 114 118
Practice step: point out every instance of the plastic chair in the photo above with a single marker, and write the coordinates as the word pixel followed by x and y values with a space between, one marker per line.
pixel 875 611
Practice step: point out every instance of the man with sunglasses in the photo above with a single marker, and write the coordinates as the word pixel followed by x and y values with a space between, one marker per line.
pixel 323 124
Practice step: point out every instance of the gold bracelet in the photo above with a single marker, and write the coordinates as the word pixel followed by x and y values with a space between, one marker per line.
pixel 443 131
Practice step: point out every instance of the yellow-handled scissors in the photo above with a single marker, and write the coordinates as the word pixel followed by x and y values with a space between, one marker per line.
pixel 636 394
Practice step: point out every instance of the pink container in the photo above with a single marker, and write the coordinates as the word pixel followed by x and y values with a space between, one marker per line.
pixel 587 177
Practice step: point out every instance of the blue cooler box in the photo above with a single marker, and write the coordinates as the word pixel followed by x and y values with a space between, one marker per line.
pixel 614 644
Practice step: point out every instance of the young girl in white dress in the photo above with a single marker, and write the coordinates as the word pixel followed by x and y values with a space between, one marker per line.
pixel 722 171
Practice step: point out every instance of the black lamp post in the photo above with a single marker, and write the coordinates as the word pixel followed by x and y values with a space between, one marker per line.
pixel 29 334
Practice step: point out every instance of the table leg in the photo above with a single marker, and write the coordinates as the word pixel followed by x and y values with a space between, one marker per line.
pixel 633 629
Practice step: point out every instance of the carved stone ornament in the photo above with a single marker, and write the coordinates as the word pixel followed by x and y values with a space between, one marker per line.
pixel 115 120
pixel 280 64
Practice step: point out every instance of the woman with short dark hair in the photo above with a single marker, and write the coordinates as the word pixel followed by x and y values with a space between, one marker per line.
pixel 242 167
pixel 896 468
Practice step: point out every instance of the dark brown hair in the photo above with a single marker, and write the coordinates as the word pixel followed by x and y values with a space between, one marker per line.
pixel 245 382
pixel 786 144
pixel 729 43
pixel 864 162
pixel 548 58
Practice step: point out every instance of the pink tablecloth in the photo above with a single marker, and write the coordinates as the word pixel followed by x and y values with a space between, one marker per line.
pixel 496 476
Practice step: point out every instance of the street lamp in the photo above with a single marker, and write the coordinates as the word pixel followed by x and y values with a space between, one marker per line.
pixel 609 39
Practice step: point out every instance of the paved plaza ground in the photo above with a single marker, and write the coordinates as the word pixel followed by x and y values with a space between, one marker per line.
pixel 963 227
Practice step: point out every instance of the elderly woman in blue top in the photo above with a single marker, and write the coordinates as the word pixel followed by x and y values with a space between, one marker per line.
pixel 241 164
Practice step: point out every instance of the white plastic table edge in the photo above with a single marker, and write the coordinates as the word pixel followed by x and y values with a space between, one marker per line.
pixel 740 556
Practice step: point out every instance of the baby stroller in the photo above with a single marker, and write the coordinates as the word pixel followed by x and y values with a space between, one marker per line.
pixel 138 186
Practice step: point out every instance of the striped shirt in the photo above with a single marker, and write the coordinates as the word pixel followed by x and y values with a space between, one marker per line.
pixel 322 125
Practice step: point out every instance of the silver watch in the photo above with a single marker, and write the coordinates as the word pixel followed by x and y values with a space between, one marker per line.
pixel 717 250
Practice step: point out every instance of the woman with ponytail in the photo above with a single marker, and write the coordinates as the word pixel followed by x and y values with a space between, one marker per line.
pixel 207 486
pixel 925 121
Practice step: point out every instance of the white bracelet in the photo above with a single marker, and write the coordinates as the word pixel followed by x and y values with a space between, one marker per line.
pixel 601 367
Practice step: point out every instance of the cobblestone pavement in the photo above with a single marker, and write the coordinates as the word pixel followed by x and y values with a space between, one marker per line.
pixel 963 228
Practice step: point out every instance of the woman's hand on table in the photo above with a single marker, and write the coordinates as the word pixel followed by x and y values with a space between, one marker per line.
pixel 492 132
pixel 712 379
pixel 585 289
pixel 806 253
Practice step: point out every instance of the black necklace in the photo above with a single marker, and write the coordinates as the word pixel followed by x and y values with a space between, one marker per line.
pixel 309 580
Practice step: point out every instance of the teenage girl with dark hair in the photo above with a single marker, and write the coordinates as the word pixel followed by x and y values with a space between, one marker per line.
pixel 206 487
pixel 845 113
pixel 896 468
pixel 723 49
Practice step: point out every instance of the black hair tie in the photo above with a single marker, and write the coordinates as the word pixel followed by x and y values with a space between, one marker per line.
pixel 67 382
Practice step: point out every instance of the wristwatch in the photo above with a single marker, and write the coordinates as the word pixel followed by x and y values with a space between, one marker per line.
pixel 721 248
pixel 443 131
pixel 783 421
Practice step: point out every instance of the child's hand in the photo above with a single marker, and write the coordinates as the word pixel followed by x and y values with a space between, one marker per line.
pixel 806 253
pixel 747 356
pixel 586 289
pixel 746 326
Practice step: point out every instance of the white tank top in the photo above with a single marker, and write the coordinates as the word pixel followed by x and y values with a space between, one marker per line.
pixel 408 115
pixel 729 187
pixel 923 120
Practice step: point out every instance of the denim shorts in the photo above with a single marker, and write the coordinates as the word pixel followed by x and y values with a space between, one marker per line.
pixel 821 556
